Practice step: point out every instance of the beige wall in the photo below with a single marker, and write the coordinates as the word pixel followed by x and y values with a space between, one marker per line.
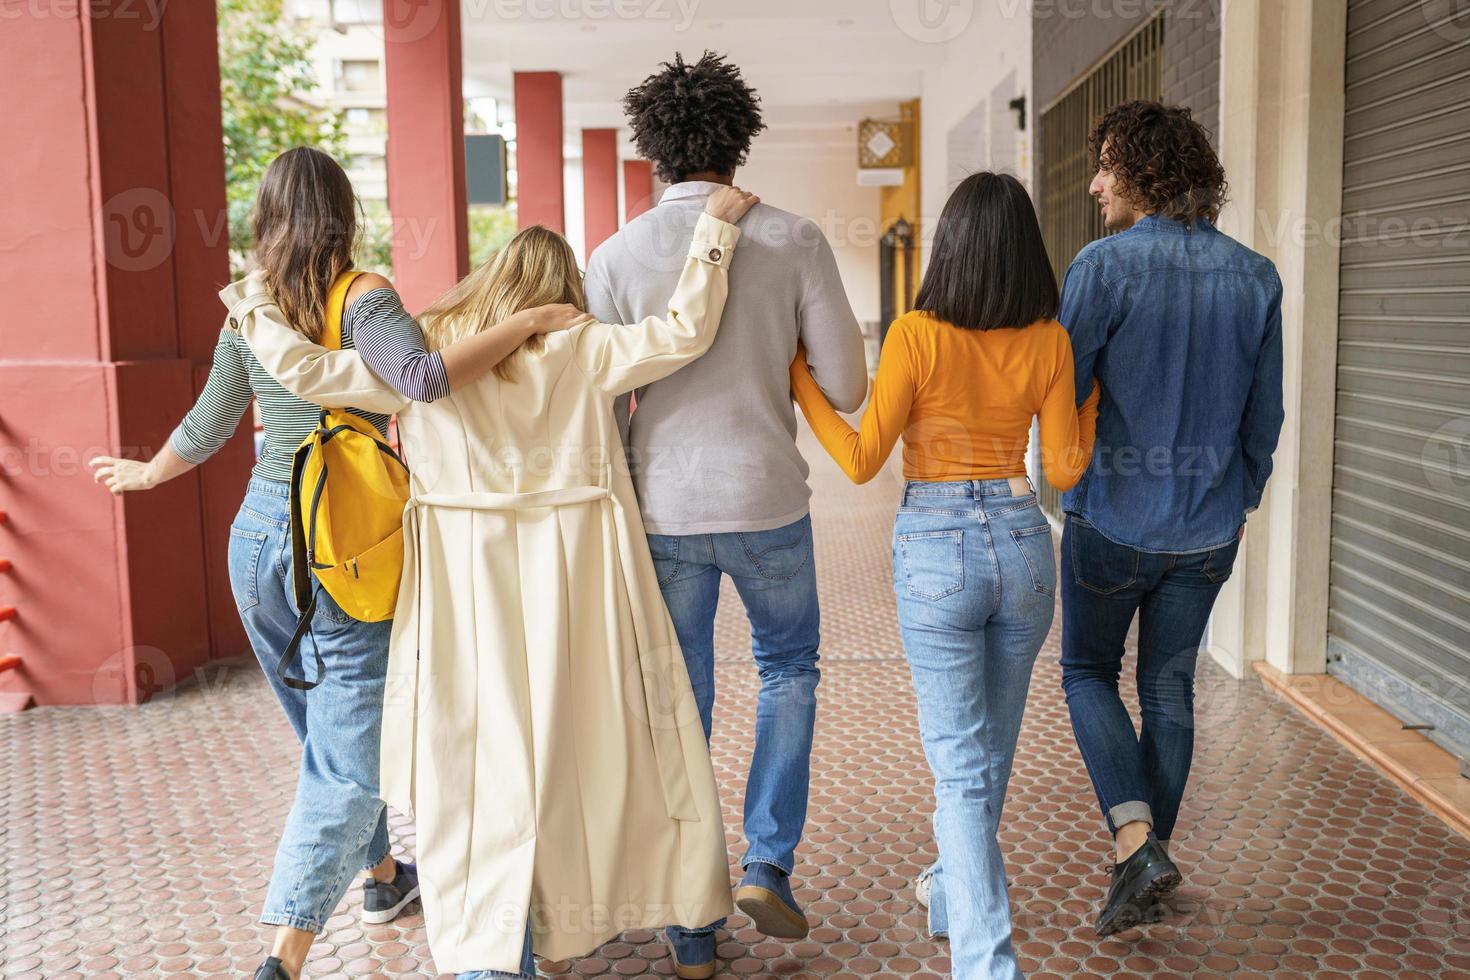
pixel 1281 145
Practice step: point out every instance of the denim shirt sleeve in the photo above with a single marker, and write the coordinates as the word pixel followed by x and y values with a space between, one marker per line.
pixel 1260 424
pixel 1090 312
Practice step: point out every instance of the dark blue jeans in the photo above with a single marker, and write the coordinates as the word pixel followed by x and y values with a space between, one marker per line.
pixel 1137 774
pixel 777 581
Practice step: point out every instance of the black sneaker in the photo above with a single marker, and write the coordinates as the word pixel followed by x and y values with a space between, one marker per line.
pixel 383 900
pixel 1137 883
pixel 271 969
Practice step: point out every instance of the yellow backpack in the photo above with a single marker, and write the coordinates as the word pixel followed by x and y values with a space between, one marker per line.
pixel 348 490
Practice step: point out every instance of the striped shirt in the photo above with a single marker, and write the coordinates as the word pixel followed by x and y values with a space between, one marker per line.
pixel 376 325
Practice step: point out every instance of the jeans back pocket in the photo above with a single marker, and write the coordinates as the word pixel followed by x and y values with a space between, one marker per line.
pixel 1034 544
pixel 243 559
pixel 933 562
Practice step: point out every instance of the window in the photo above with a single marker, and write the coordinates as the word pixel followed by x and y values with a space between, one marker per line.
pixel 359 76
pixel 369 121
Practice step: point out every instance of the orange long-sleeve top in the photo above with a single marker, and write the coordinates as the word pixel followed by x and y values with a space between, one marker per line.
pixel 963 401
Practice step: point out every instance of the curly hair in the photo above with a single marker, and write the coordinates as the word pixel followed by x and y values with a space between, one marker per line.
pixel 688 119
pixel 1162 159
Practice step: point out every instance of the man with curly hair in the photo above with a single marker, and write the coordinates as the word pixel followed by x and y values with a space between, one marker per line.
pixel 720 483
pixel 1182 326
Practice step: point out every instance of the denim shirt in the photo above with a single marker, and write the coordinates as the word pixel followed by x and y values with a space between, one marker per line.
pixel 1182 326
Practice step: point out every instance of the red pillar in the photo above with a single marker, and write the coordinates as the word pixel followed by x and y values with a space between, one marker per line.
pixel 637 188
pixel 114 241
pixel 426 182
pixel 538 150
pixel 599 185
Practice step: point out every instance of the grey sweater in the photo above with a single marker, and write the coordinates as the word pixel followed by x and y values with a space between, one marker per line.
pixel 712 448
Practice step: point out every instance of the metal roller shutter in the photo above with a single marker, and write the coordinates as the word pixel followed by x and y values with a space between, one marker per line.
pixel 1399 603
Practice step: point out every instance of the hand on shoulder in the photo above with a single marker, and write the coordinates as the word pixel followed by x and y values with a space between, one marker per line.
pixel 729 204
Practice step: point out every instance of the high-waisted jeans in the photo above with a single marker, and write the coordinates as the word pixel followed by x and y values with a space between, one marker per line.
pixel 975 576
pixel 337 824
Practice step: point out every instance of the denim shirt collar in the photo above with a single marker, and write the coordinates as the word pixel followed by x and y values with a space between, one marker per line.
pixel 1158 223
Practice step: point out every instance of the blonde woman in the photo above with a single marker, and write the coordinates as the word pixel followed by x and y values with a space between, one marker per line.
pixel 539 720
pixel 305 228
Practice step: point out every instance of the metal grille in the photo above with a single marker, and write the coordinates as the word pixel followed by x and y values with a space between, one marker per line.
pixel 1069 218
pixel 1398 626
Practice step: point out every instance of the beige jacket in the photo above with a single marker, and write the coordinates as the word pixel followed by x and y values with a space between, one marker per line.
pixel 539 722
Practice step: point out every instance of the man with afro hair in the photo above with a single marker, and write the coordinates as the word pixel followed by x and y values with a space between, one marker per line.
pixel 713 454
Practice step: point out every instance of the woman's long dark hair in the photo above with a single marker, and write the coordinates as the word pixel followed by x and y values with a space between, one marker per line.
pixel 305 223
pixel 989 266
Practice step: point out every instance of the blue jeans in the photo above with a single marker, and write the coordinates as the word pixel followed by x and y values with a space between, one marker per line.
pixel 337 824
pixel 776 578
pixel 975 578
pixel 1136 775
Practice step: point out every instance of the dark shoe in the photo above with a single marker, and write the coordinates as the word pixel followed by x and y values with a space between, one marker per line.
pixel 765 895
pixel 694 955
pixel 383 900
pixel 271 969
pixel 1137 882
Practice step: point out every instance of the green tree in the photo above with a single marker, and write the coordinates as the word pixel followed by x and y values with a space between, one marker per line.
pixel 490 228
pixel 266 78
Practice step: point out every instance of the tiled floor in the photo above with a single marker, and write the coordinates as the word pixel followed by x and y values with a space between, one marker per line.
pixel 138 842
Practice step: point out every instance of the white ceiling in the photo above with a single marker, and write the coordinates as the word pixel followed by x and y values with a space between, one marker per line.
pixel 818 65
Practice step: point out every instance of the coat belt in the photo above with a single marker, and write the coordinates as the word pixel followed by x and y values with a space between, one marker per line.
pixel 397 773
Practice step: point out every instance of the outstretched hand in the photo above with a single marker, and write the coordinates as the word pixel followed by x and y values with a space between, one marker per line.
pixel 122 475
pixel 729 204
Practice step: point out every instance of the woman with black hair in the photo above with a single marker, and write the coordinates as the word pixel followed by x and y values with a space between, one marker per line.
pixel 961 377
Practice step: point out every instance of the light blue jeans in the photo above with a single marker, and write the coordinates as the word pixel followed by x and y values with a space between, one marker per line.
pixel 976 582
pixel 776 578
pixel 337 824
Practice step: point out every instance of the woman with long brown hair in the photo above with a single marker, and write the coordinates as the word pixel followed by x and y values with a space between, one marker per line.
pixel 305 228
pixel 540 720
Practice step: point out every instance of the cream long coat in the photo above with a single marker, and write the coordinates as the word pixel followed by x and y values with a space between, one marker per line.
pixel 539 722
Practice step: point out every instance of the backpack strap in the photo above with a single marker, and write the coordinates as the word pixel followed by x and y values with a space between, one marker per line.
pixel 302 541
pixel 303 521
pixel 337 309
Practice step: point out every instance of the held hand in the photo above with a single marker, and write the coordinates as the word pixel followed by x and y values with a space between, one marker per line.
pixel 122 475
pixel 551 318
pixel 729 204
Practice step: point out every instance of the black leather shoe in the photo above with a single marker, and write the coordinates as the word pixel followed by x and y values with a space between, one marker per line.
pixel 271 969
pixel 1137 883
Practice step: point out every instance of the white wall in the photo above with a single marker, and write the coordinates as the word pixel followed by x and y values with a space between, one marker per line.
pixel 821 183
pixel 965 124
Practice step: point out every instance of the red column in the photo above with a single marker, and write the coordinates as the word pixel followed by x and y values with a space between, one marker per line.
pixel 113 240
pixel 426 182
pixel 599 185
pixel 538 150
pixel 637 188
